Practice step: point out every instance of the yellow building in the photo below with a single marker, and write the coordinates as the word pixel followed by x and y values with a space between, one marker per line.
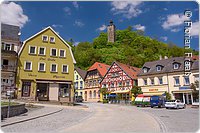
pixel 45 68
pixel 79 76
pixel 167 75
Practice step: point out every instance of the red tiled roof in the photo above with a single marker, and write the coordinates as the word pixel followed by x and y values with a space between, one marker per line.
pixel 130 70
pixel 195 57
pixel 101 67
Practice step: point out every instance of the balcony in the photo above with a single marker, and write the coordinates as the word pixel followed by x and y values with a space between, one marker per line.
pixel 8 68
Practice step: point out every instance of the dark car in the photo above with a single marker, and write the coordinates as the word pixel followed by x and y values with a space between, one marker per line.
pixel 79 99
pixel 157 101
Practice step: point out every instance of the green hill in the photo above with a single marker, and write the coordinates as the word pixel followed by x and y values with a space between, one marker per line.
pixel 131 47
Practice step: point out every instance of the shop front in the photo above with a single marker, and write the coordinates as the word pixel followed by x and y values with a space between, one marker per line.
pixel 120 97
pixel 184 95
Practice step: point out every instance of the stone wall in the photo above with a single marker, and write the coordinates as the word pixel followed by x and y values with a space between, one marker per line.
pixel 14 110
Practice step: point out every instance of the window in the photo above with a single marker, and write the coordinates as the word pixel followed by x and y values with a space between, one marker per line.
pixel 76 77
pixel 76 85
pixel 160 80
pixel 5 62
pixel 65 68
pixel 64 90
pixel 28 65
pixel 45 38
pixel 176 79
pixel 127 83
pixel 158 68
pixel 112 85
pixel 62 53
pixel 32 50
pixel 98 93
pixel 41 67
pixel 53 52
pixel 104 85
pixel 42 50
pixel 53 67
pixel 94 94
pixel 4 80
pixel 145 81
pixel 152 81
pixel 187 80
pixel 8 47
pixel 176 66
pixel 90 94
pixel 81 93
pixel 120 83
pixel 52 39
pixel 145 70
pixel 81 84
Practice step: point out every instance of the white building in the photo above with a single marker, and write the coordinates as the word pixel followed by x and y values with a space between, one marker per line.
pixel 167 75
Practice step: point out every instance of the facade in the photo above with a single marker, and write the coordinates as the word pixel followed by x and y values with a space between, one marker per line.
pixel 167 75
pixel 46 68
pixel 79 76
pixel 92 81
pixel 119 80
pixel 10 40
pixel 111 32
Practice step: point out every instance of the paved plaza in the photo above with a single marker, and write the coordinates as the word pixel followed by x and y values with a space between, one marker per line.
pixel 98 117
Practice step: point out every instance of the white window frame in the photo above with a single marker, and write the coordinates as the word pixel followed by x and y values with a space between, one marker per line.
pixel 152 79
pixel 56 67
pixel 39 66
pixel 185 80
pixel 9 45
pixel 30 49
pixel 52 41
pixel 145 70
pixel 45 40
pixel 44 51
pixel 158 69
pixel 175 80
pixel 64 52
pixel 67 68
pixel 51 51
pixel 159 80
pixel 177 66
pixel 25 65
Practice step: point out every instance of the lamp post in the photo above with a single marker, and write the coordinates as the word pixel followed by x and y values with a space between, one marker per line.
pixel 8 113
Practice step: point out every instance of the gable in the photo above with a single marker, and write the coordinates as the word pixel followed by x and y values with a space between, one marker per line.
pixel 49 32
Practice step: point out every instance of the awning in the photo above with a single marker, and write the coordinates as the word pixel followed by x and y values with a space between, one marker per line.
pixel 183 91
pixel 121 91
pixel 153 93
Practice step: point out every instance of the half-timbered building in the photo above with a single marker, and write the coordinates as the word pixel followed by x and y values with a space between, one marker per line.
pixel 119 80
pixel 92 81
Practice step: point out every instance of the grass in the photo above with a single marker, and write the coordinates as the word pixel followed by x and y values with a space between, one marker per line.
pixel 6 103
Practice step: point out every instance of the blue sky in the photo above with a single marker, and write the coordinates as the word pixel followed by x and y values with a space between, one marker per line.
pixel 83 21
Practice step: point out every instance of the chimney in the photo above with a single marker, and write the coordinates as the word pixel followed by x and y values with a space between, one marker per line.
pixel 166 57
pixel 160 57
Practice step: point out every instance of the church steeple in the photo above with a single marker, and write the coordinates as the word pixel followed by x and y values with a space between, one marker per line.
pixel 111 32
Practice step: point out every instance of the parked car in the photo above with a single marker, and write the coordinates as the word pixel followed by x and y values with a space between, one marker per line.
pixel 142 100
pixel 157 101
pixel 79 99
pixel 174 104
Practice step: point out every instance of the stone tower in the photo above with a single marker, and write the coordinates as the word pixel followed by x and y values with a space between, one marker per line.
pixel 111 32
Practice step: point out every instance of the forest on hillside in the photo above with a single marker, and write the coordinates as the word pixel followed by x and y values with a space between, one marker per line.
pixel 131 47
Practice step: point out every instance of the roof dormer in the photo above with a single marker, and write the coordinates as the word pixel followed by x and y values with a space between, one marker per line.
pixel 176 65
pixel 159 68
pixel 145 69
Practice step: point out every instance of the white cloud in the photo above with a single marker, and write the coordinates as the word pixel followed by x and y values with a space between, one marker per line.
pixel 102 28
pixel 12 13
pixel 79 23
pixel 175 30
pixel 75 4
pixel 139 27
pixel 128 9
pixel 57 25
pixel 174 20
pixel 195 29
pixel 67 10
pixel 165 9
pixel 164 38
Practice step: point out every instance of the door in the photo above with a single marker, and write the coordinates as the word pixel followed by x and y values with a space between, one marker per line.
pixel 85 95
pixel 42 92
pixel 26 86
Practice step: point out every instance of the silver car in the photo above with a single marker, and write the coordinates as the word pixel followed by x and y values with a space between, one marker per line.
pixel 177 104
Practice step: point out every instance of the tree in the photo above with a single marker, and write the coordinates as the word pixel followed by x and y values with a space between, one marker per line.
pixel 136 90
pixel 168 95
pixel 194 87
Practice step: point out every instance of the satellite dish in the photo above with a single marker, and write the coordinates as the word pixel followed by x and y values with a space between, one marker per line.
pixel 19 33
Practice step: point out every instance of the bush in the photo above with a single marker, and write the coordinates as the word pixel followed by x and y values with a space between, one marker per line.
pixel 105 101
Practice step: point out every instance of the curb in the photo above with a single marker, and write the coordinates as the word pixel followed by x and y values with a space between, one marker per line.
pixel 32 118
